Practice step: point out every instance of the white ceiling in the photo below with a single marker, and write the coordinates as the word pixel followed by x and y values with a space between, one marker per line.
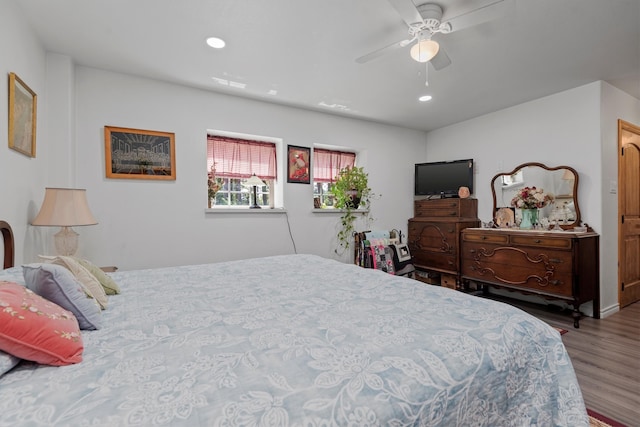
pixel 305 51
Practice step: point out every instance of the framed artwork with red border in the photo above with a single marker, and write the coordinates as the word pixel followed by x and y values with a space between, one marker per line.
pixel 298 164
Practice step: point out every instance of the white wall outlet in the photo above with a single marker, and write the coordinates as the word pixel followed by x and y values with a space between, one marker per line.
pixel 613 187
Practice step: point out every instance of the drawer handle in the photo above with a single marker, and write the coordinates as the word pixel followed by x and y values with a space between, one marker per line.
pixel 451 230
pixel 473 251
pixel 472 268
pixel 555 282
pixel 453 214
pixel 555 260
pixel 450 262
pixel 537 241
pixel 483 237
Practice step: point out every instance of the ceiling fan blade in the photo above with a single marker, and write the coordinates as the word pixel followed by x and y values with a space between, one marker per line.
pixel 383 51
pixel 477 16
pixel 407 11
pixel 441 59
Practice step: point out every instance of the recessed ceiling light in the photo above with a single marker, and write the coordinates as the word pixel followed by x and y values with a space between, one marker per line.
pixel 216 43
pixel 425 98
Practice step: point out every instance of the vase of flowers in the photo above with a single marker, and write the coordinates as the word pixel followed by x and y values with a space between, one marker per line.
pixel 529 200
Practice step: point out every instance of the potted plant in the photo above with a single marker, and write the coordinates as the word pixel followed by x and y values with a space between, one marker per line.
pixel 351 190
pixel 214 185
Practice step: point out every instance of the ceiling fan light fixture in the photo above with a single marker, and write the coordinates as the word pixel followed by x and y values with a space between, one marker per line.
pixel 424 50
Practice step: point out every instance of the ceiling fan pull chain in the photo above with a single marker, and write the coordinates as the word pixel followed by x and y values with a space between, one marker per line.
pixel 426 74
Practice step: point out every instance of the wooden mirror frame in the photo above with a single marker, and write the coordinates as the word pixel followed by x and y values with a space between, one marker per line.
pixel 574 193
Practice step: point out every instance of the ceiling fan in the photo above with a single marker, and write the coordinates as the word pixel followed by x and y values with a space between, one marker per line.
pixel 425 20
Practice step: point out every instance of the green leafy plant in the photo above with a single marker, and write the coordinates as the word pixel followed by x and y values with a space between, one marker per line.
pixel 351 190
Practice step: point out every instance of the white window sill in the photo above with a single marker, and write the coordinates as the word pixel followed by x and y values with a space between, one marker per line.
pixel 338 211
pixel 262 211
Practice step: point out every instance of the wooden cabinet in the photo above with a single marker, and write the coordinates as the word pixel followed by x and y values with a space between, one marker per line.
pixel 434 233
pixel 554 265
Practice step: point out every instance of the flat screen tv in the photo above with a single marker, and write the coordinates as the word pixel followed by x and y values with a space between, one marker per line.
pixel 443 178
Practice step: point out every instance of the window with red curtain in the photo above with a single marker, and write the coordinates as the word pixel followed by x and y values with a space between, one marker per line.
pixel 241 158
pixel 327 163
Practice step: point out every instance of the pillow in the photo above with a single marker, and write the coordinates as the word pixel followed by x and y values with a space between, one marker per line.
pixel 109 285
pixel 7 361
pixel 91 285
pixel 33 328
pixel 57 284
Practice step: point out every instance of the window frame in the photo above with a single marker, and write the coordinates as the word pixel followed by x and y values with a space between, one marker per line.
pixel 273 187
pixel 322 196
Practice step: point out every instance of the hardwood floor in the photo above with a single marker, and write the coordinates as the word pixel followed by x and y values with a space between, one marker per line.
pixel 606 357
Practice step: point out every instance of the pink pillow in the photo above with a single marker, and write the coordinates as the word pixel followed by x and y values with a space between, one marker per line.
pixel 36 329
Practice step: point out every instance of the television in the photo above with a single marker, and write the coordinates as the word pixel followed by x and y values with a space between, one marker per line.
pixel 443 178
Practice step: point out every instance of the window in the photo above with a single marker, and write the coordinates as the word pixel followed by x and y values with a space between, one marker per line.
pixel 326 165
pixel 231 161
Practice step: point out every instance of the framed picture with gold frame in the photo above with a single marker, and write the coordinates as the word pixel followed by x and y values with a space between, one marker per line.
pixel 22 116
pixel 139 154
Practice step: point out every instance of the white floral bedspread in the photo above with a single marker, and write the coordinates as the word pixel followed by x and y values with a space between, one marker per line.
pixel 300 341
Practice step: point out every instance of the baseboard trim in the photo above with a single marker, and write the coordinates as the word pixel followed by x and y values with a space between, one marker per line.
pixel 608 311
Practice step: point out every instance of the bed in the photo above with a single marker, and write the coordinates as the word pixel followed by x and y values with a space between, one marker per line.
pixel 298 340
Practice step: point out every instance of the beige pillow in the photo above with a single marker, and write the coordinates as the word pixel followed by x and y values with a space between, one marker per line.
pixel 90 284
pixel 109 285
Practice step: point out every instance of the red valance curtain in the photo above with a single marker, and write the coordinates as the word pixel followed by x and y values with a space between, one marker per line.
pixel 327 163
pixel 241 158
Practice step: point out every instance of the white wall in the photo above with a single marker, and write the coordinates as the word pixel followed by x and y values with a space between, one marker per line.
pixel 153 223
pixel 568 128
pixel 22 178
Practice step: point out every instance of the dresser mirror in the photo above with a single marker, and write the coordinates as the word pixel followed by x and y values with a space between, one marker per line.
pixel 561 181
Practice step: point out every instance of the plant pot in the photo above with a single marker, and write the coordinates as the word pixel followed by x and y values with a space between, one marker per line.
pixel 354 200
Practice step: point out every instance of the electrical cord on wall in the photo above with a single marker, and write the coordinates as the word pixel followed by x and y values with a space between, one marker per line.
pixel 295 250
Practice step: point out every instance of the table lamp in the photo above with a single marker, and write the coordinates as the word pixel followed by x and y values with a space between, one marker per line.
pixel 66 208
pixel 255 182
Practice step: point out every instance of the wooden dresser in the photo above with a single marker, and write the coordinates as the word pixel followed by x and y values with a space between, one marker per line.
pixel 554 265
pixel 434 235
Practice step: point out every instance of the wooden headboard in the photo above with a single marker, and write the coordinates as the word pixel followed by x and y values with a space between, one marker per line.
pixel 9 249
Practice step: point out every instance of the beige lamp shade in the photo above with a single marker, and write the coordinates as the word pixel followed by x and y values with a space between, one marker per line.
pixel 65 207
pixel 254 180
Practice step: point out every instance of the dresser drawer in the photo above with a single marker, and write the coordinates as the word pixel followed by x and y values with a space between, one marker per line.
pixel 548 272
pixel 435 261
pixel 433 237
pixel 486 237
pixel 447 208
pixel 541 241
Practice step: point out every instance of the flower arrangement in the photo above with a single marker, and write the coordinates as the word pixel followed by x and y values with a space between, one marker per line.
pixel 532 198
pixel 214 184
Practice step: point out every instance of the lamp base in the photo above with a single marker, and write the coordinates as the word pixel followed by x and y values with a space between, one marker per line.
pixel 255 199
pixel 66 241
